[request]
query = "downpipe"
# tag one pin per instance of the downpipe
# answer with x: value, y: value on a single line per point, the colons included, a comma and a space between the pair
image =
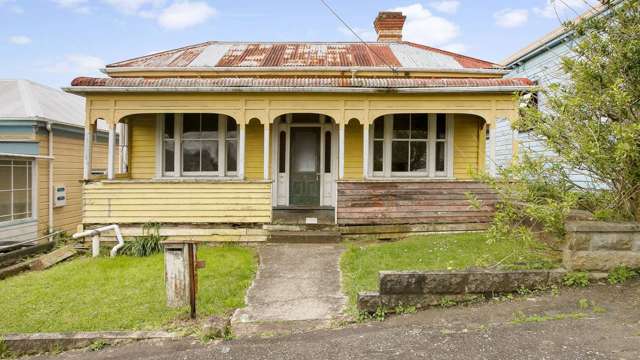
x: 95, y: 240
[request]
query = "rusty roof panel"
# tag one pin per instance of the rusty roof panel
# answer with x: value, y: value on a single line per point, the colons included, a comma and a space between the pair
x: 273, y: 55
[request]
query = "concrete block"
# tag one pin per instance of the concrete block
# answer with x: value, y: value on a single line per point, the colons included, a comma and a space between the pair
x: 611, y: 241
x: 578, y: 241
x: 600, y: 260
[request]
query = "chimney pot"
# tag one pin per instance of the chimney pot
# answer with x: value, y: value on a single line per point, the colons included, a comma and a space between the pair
x: 388, y: 25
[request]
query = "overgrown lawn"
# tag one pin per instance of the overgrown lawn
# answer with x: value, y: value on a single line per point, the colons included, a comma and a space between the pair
x: 124, y: 293
x: 361, y: 262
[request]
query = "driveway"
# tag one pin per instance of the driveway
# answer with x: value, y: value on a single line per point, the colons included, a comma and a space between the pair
x: 297, y: 287
x: 482, y: 331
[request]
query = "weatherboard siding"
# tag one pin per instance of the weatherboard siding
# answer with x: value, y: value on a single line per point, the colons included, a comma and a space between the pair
x: 140, y: 202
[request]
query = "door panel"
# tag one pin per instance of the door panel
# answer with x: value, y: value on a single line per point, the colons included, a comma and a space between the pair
x: 304, y: 181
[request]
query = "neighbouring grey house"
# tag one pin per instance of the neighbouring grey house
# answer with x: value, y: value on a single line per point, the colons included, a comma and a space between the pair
x: 540, y: 61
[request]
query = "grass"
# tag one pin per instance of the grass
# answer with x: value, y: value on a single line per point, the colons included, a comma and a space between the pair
x: 361, y: 263
x: 123, y: 293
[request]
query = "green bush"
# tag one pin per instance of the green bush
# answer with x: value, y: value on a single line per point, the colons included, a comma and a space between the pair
x: 620, y: 274
x: 576, y: 279
x: 147, y: 244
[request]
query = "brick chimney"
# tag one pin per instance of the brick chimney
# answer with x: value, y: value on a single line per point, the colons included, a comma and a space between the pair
x: 389, y: 25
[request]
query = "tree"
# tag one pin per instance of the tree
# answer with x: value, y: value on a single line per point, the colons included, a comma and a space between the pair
x: 592, y: 122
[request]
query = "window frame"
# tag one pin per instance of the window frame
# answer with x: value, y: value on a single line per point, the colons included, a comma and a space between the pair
x: 178, y: 140
x: 431, y: 140
x: 31, y: 204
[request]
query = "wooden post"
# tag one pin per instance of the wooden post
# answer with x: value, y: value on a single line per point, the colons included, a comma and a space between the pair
x: 191, y: 263
x: 341, y: 152
x: 365, y: 150
x: 265, y: 151
x: 88, y: 146
x: 241, y: 140
x: 111, y: 152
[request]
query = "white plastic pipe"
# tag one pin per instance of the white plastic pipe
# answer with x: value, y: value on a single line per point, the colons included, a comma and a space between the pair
x: 96, y: 239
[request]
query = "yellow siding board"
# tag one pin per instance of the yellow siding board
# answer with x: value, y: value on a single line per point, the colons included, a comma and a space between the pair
x: 466, y: 145
x: 142, y: 146
x: 177, y: 202
x: 254, y: 140
x: 353, y: 151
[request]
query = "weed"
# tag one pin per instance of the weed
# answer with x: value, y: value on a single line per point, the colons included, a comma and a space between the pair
x: 145, y: 245
x: 576, y: 279
x: 98, y: 345
x: 446, y: 302
x: 405, y: 310
x: 217, y: 334
x: 583, y: 304
x: 5, y: 353
x: 523, y: 291
x: 555, y: 291
x: 598, y: 309
x: 621, y: 274
x: 521, y: 318
x: 380, y: 314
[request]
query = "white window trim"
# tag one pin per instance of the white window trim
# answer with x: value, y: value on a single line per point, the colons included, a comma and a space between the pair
x: 33, y: 205
x: 431, y: 173
x: 221, y: 174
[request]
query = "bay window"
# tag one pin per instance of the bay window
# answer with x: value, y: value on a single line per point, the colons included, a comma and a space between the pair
x: 411, y: 145
x: 16, y: 186
x: 199, y: 145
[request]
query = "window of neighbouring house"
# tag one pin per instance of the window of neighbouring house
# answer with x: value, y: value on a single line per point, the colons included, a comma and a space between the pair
x: 415, y: 145
x: 15, y: 190
x: 199, y: 145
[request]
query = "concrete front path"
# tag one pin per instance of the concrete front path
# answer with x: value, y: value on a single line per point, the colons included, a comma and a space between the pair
x: 297, y: 286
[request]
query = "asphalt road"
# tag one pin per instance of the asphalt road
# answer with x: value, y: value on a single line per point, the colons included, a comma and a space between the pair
x: 611, y: 330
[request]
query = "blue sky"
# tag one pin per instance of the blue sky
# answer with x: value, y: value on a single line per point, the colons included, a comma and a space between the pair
x: 53, y: 41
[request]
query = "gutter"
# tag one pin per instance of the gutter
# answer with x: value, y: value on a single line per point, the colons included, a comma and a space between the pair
x: 355, y: 90
x: 43, y: 157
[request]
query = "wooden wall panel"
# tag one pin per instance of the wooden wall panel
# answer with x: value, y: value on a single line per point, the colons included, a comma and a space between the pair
x: 412, y: 202
x: 177, y: 202
x: 353, y: 151
x: 467, y: 143
x: 142, y: 146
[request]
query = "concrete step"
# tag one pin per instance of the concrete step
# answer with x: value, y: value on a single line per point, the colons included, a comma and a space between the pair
x: 305, y: 237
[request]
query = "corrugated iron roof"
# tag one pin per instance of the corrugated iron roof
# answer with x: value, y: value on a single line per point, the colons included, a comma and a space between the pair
x: 299, y: 82
x: 24, y: 99
x: 405, y: 55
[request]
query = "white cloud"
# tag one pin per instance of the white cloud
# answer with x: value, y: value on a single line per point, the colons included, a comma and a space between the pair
x: 366, y: 35
x: 562, y: 8
x: 446, y: 6
x: 184, y: 14
x: 79, y: 6
x: 425, y: 28
x: 135, y: 6
x: 179, y: 14
x: 455, y: 47
x: 511, y: 18
x: 77, y: 65
x: 19, y: 40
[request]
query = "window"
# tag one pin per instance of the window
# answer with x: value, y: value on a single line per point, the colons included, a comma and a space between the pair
x: 199, y: 144
x: 15, y: 190
x: 410, y: 145
x: 327, y: 152
x: 282, y: 153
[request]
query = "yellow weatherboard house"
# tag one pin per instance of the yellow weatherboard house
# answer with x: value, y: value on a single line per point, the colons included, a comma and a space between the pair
x: 229, y: 140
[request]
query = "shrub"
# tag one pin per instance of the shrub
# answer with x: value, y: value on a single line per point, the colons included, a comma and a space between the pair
x: 145, y: 245
x: 576, y: 279
x: 620, y: 274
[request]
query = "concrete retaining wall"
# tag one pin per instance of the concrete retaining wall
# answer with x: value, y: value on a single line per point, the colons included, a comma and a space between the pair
x: 601, y: 246
x: 428, y: 288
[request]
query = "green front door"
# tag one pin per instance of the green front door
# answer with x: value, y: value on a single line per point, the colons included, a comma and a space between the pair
x: 304, y: 181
